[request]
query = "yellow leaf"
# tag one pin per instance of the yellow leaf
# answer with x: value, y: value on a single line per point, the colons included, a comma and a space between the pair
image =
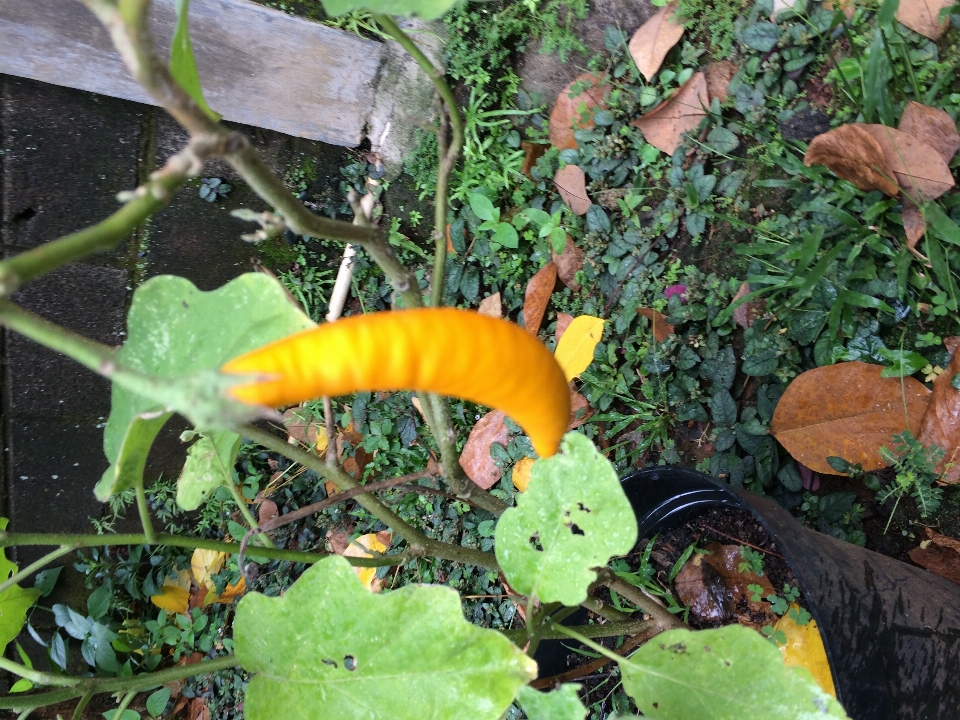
x: 362, y: 547
x: 229, y: 593
x: 320, y: 446
x: 521, y: 473
x: 174, y: 594
x: 574, y: 352
x: 205, y: 563
x: 804, y: 648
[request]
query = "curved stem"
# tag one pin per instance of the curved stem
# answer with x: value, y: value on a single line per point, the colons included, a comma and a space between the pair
x: 81, y: 705
x: 34, y: 566
x: 124, y: 704
x: 144, y: 511
x: 36, y: 676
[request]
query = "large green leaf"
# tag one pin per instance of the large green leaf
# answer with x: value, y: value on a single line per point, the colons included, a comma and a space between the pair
x: 330, y: 648
x: 14, y: 601
x: 183, y: 66
x: 426, y: 9
x: 560, y: 704
x: 729, y: 673
x: 179, y: 332
x: 572, y: 518
x: 209, y: 465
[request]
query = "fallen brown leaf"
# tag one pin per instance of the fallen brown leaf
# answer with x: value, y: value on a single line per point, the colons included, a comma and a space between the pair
x: 653, y: 40
x: 700, y: 587
x: 922, y: 16
x: 580, y: 410
x: 726, y: 560
x: 491, y: 306
x: 932, y: 126
x: 939, y: 554
x: 475, y: 459
x: 848, y: 7
x: 569, y: 263
x: 917, y: 167
x: 746, y: 314
x: 914, y: 227
x: 566, y: 114
x: 941, y: 422
x: 853, y: 154
x: 537, y: 297
x: 531, y: 153
x: 952, y: 344
x: 338, y: 540
x: 658, y: 322
x: 571, y: 183
x: 563, y: 322
x: 846, y: 410
x: 267, y: 511
x: 664, y: 126
x: 719, y: 74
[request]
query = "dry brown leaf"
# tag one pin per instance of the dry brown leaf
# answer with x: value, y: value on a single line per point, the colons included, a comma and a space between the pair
x: 952, y: 344
x: 653, y: 40
x: 746, y: 314
x: 719, y: 74
x: 563, y: 322
x: 571, y: 183
x: 922, y: 16
x: 198, y: 710
x: 914, y: 227
x: 580, y: 410
x: 537, y: 297
x: 338, y: 540
x: 853, y: 154
x: 726, y: 560
x: 932, y: 126
x: 531, y: 153
x: 491, y: 306
x: 682, y: 112
x: 941, y: 421
x: 700, y: 587
x: 658, y: 322
x: 917, y: 167
x: 848, y: 7
x: 569, y: 263
x: 566, y: 113
x: 476, y: 459
x: 939, y: 554
x: 267, y: 511
x: 846, y: 410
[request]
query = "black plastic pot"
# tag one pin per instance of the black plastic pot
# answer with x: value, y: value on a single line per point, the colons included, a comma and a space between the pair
x: 891, y: 631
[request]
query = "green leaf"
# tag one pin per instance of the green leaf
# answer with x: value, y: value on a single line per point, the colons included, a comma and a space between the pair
x: 506, y: 236
x: 125, y: 715
x: 941, y: 224
x: 14, y: 601
x: 426, y: 9
x: 157, y: 701
x: 597, y: 220
x: 724, y: 674
x: 722, y: 140
x: 905, y: 362
x: 573, y: 517
x: 482, y: 207
x: 723, y: 408
x: 760, y: 363
x: 209, y: 465
x: 45, y: 580
x: 330, y: 648
x: 21, y: 685
x: 537, y: 217
x: 183, y: 67
x: 178, y: 331
x: 888, y: 11
x: 761, y: 36
x: 789, y: 477
x: 559, y: 704
x: 100, y: 600
x: 876, y: 80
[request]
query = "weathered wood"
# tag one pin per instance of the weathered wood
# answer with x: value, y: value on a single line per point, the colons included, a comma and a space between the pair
x: 258, y: 66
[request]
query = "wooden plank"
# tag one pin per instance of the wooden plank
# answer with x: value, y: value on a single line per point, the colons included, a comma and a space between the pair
x: 258, y: 66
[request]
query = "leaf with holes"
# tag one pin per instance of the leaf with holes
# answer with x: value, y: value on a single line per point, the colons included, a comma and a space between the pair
x: 572, y: 518
x: 559, y: 704
x: 730, y: 672
x: 330, y: 648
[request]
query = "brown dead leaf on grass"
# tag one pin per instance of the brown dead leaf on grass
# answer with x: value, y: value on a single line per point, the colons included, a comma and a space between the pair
x: 267, y: 511
x: 918, y: 168
x: 914, y: 227
x: 563, y: 322
x: 726, y: 560
x: 848, y: 7
x: 664, y: 126
x: 952, y: 344
x: 491, y: 306
x: 566, y: 114
x: 537, y: 297
x: 922, y: 16
x: 580, y: 410
x: 653, y: 40
x: 475, y: 459
x: 932, y: 126
x: 719, y: 74
x: 571, y: 183
x: 939, y: 554
x: 853, y: 154
x: 531, y: 153
x: 569, y: 263
x: 846, y: 410
x: 658, y: 323
x: 746, y: 314
x: 940, y: 424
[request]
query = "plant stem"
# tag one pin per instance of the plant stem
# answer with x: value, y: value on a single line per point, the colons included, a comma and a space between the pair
x: 36, y: 676
x: 34, y: 566
x: 419, y: 542
x: 124, y: 704
x: 144, y: 511
x: 637, y: 597
x: 81, y: 705
x: 81, y: 687
x: 242, y: 506
x: 550, y: 632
